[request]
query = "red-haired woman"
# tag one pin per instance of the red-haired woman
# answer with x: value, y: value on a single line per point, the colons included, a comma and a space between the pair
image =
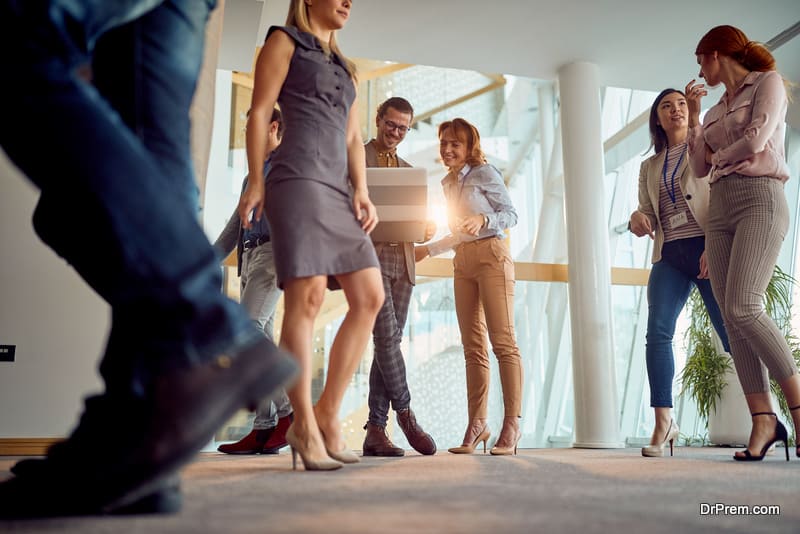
x: 741, y: 143
x: 480, y: 209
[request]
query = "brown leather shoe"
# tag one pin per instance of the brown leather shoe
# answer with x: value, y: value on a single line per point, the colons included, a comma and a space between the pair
x: 377, y: 443
x: 419, y: 439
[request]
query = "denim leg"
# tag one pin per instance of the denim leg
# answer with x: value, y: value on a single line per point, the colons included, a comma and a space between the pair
x: 139, y: 243
x: 714, y: 313
x: 667, y: 291
x: 259, y: 296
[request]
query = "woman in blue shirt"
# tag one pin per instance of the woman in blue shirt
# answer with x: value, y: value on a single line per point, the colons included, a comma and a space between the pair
x: 480, y: 210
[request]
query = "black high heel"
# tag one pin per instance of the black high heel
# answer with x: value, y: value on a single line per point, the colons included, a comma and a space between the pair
x: 780, y: 435
x: 796, y: 444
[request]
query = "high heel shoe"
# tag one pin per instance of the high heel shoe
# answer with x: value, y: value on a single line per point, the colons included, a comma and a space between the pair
x: 505, y: 451
x: 470, y: 447
x: 657, y: 451
x: 780, y: 435
x: 796, y: 432
x: 346, y: 456
x: 326, y: 464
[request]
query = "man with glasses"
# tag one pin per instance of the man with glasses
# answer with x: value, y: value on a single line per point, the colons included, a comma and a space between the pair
x: 387, y: 379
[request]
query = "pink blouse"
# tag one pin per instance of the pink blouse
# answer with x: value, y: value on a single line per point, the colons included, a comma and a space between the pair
x: 746, y: 132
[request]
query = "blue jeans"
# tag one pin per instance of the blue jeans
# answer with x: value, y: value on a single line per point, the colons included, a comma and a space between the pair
x: 668, y: 289
x: 118, y: 200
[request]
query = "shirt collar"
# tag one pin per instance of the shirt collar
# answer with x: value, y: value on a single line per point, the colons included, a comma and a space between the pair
x: 381, y: 152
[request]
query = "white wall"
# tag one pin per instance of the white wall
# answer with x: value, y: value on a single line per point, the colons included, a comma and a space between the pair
x: 56, y: 321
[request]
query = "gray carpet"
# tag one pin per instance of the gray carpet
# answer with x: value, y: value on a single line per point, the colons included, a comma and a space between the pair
x: 540, y: 490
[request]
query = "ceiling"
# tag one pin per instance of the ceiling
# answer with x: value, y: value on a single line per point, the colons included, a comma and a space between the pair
x: 640, y: 44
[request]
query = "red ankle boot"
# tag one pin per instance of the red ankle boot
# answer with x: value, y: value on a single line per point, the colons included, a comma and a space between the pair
x: 277, y: 440
x: 252, y: 443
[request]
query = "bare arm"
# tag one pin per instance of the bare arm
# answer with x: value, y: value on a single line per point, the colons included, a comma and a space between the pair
x: 272, y: 68
x: 362, y: 206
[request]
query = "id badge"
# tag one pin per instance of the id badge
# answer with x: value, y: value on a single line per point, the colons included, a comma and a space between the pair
x: 678, y: 220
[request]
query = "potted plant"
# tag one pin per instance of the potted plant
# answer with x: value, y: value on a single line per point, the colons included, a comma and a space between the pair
x: 708, y: 376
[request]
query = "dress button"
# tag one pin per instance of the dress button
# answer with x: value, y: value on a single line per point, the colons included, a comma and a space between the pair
x: 338, y: 88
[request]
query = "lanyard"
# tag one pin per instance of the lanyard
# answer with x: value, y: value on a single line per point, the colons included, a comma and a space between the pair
x: 671, y: 192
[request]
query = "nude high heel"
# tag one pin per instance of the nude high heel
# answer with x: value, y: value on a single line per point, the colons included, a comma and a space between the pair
x: 470, y: 448
x: 326, y: 464
x: 657, y: 451
x: 506, y: 451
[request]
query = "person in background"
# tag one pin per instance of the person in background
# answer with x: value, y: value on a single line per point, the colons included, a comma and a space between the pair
x: 480, y: 210
x: 387, y: 377
x: 259, y: 295
x: 319, y: 225
x: 673, y: 209
x: 180, y: 358
x: 741, y: 144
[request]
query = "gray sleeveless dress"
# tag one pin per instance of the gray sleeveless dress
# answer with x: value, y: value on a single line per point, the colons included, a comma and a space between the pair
x: 308, y: 198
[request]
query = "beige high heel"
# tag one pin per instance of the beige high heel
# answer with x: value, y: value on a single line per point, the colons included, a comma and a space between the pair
x: 345, y: 455
x: 470, y: 448
x: 506, y: 451
x: 657, y: 451
x: 326, y: 464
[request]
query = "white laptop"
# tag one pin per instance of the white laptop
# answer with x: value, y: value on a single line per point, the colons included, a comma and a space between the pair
x: 400, y: 195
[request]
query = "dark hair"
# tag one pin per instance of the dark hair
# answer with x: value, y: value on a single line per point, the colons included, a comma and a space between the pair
x: 278, y: 117
x: 658, y: 136
x: 468, y: 134
x: 732, y: 42
x: 400, y: 104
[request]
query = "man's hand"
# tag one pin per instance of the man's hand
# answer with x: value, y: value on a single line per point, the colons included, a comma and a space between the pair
x: 430, y: 230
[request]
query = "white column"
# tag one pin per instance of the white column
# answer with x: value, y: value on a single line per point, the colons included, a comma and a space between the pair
x: 596, y: 407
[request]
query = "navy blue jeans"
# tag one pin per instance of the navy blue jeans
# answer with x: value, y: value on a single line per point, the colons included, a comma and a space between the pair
x: 668, y: 288
x: 111, y: 158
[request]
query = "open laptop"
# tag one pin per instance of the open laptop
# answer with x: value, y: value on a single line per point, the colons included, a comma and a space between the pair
x: 400, y: 195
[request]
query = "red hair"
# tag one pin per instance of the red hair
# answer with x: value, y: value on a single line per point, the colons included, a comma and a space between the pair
x: 467, y: 134
x: 732, y: 42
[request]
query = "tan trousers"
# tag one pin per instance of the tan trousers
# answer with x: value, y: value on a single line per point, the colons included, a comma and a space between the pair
x: 483, y: 285
x: 747, y: 221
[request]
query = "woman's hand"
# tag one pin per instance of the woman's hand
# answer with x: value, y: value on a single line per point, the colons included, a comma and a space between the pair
x: 252, y: 199
x: 709, y: 155
x: 365, y: 210
x: 420, y: 253
x: 640, y: 225
x: 471, y: 224
x: 703, y: 267
x: 694, y: 94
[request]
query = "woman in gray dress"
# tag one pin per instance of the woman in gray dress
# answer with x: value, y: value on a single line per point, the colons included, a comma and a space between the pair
x: 318, y: 209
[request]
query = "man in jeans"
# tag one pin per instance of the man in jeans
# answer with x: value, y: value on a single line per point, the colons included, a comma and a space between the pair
x: 259, y: 295
x: 118, y: 202
x: 387, y: 378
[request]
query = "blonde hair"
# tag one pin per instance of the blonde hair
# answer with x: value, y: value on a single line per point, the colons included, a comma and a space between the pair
x: 298, y: 18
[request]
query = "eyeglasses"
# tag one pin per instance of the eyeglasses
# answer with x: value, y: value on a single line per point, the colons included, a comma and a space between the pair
x: 391, y: 125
